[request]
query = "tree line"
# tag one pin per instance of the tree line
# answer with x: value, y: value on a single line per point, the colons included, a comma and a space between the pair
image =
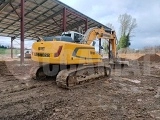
x: 4, y: 47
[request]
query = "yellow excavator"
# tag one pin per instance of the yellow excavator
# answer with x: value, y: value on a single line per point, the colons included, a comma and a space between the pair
x: 73, y: 61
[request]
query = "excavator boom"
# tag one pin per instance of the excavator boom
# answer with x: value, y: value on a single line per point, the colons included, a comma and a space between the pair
x: 101, y: 33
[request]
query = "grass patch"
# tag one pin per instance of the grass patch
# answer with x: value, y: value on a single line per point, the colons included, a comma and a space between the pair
x: 4, y: 51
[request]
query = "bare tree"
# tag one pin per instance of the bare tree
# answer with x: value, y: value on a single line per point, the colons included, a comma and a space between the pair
x: 128, y: 24
x: 110, y: 26
x: 132, y: 26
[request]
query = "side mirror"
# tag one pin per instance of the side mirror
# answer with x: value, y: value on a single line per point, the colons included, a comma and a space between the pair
x: 39, y: 39
x: 93, y: 44
x: 101, y: 47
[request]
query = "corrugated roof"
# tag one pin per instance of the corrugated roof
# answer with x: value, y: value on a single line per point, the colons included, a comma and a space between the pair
x: 42, y: 18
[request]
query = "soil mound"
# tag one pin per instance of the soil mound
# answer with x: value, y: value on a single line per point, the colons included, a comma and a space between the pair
x: 150, y: 57
x: 3, y: 68
x: 14, y: 68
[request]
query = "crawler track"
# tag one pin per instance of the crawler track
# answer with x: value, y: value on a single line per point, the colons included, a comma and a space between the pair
x: 80, y: 76
x: 73, y: 77
x: 37, y: 73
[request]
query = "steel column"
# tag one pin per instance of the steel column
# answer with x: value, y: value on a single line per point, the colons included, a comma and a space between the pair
x: 22, y: 32
x: 64, y: 19
x: 100, y: 46
x: 12, y: 38
x: 109, y: 50
x: 86, y: 25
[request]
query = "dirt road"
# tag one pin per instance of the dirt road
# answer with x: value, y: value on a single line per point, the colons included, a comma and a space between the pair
x: 130, y: 94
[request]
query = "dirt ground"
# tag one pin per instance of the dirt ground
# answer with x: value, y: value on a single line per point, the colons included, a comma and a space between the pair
x: 131, y: 56
x: 131, y: 93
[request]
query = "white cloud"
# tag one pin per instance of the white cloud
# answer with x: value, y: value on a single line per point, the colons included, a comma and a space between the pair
x: 16, y: 43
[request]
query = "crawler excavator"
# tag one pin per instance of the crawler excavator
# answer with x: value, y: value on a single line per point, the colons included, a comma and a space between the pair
x: 73, y: 62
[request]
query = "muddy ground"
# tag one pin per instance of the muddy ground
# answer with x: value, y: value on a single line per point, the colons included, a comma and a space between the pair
x: 132, y: 93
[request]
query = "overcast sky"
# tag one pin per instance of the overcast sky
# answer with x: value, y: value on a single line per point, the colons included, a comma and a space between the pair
x: 146, y: 12
x: 6, y: 41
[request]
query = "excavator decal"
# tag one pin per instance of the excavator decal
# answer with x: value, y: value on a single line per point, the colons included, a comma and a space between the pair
x: 82, y: 48
x: 42, y: 54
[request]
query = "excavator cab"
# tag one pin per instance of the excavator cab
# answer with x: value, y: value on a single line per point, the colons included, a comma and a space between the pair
x: 77, y: 37
x: 58, y: 38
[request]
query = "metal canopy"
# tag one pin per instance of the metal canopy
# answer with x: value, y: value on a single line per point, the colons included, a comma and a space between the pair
x: 41, y: 18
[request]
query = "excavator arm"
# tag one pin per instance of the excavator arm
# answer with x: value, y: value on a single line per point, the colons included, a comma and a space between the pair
x: 100, y: 33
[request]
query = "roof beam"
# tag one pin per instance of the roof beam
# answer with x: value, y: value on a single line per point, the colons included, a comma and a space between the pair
x: 77, y: 15
x: 15, y: 10
x: 70, y: 27
x: 33, y: 18
x: 5, y: 4
x: 71, y: 9
x: 53, y: 28
x: 9, y: 12
x: 40, y: 18
x: 76, y: 24
x: 36, y: 17
x: 50, y: 17
x: 35, y: 7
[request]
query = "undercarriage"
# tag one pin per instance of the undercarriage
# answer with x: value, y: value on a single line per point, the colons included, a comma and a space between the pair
x: 69, y: 76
